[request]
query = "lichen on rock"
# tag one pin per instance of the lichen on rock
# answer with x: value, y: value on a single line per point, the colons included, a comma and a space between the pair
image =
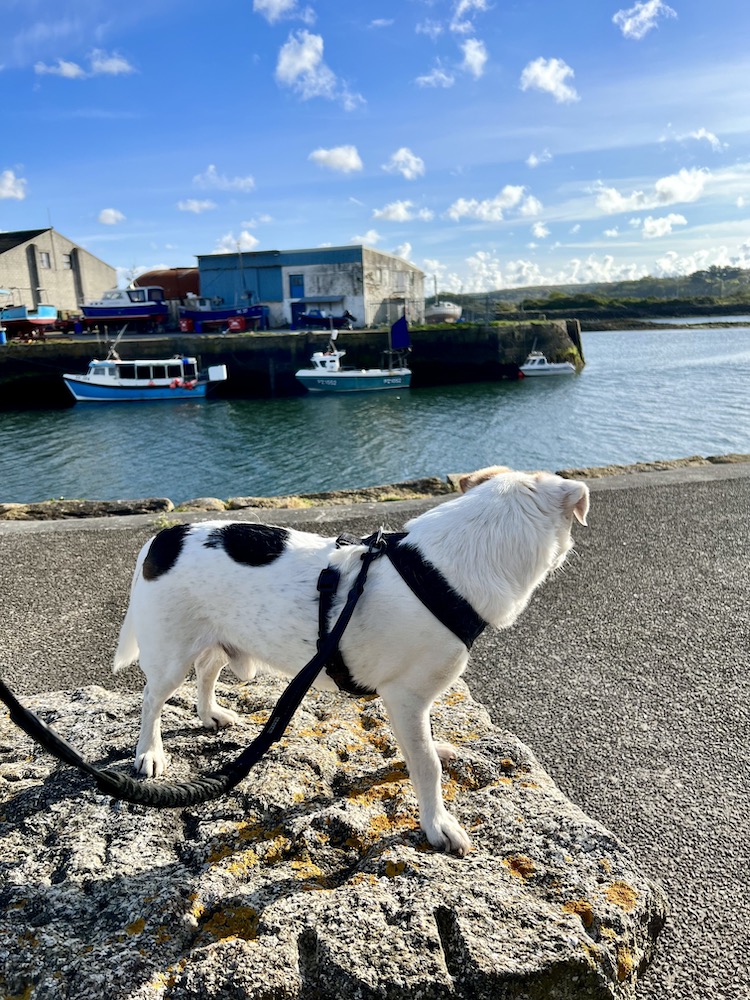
x: 312, y: 879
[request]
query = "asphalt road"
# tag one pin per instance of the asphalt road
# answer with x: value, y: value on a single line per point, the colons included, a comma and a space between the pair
x: 627, y: 675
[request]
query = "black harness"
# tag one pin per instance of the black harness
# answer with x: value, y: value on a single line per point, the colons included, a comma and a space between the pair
x: 423, y: 579
x: 426, y: 582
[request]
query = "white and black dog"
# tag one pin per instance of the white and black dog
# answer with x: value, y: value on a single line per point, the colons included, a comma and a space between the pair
x: 220, y: 592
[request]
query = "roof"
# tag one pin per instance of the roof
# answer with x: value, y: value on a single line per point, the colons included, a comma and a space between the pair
x: 10, y: 240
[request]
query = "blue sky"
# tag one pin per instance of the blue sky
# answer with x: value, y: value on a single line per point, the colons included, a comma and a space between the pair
x: 492, y: 143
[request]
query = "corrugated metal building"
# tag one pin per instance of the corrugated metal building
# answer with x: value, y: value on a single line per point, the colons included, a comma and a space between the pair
x: 42, y: 267
x: 374, y: 287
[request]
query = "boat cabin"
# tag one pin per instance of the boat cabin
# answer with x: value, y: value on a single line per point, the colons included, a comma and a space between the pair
x: 327, y: 361
x: 149, y: 293
x: 182, y: 369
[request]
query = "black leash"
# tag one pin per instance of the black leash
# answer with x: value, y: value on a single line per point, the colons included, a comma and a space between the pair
x: 169, y: 795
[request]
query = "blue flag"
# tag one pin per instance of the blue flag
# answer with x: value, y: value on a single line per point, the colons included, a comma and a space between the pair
x: 400, y: 334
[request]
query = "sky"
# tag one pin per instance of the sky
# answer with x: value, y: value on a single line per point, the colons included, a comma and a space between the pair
x: 493, y: 143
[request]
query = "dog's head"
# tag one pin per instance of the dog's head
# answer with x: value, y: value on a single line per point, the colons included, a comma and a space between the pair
x: 573, y: 495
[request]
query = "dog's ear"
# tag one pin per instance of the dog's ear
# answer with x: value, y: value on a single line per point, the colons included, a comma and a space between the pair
x: 481, y: 476
x: 576, y: 500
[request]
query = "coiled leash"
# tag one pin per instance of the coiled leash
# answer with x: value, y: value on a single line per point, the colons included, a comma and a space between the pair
x: 169, y: 795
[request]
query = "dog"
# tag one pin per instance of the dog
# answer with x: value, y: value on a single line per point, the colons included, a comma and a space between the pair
x: 219, y: 593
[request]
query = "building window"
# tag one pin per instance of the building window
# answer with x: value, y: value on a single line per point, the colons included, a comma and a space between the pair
x: 296, y: 286
x: 44, y: 260
x: 67, y: 262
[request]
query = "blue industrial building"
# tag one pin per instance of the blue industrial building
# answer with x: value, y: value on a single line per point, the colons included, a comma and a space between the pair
x: 376, y: 288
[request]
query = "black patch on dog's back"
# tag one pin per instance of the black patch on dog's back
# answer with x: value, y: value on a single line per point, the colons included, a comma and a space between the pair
x: 164, y: 551
x: 249, y: 544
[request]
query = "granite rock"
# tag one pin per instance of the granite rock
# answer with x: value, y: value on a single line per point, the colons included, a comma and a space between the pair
x: 312, y: 878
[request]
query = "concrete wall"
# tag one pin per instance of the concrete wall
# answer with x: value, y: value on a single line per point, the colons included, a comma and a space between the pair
x: 52, y: 270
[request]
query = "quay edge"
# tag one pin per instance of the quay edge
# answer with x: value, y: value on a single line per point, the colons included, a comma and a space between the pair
x: 263, y: 364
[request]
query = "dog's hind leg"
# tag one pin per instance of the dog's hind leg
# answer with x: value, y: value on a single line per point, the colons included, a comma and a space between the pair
x: 409, y: 715
x: 208, y: 666
x: 162, y: 680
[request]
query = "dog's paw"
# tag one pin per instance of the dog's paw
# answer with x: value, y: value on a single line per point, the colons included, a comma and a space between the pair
x: 446, y: 752
x: 219, y: 718
x: 151, y: 764
x: 447, y: 834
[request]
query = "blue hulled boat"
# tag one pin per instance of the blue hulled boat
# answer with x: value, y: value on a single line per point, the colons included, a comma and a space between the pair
x: 115, y: 380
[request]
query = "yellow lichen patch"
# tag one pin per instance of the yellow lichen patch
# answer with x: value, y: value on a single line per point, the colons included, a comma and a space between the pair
x: 625, y: 964
x: 305, y: 867
x: 392, y: 824
x: 622, y: 895
x: 605, y: 865
x: 582, y: 908
x: 166, y: 980
x: 379, y: 786
x: 242, y: 864
x: 236, y: 922
x: 454, y: 698
x: 136, y: 927
x: 520, y: 866
x: 394, y: 868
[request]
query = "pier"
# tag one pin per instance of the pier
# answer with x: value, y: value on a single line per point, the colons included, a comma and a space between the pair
x: 263, y: 364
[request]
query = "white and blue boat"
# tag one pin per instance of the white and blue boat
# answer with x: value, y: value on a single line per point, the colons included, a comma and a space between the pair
x: 114, y: 380
x: 134, y: 303
x: 327, y: 374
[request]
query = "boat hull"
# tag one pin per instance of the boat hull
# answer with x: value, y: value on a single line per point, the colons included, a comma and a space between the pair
x: 363, y: 381
x: 84, y: 391
x: 548, y: 371
x: 23, y: 316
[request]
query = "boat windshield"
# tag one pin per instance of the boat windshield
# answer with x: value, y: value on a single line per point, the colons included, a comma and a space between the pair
x: 137, y: 294
x: 115, y: 293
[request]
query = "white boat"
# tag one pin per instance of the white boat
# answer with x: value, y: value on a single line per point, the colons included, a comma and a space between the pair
x: 327, y: 374
x: 442, y: 312
x: 133, y: 303
x: 115, y: 380
x: 537, y: 364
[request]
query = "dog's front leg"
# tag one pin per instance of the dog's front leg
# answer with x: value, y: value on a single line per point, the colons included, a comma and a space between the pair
x: 410, y: 721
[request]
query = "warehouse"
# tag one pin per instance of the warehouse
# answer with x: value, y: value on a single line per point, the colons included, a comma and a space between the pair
x: 374, y: 287
x: 42, y: 267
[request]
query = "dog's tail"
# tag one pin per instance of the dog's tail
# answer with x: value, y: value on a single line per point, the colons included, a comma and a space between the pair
x: 127, y: 646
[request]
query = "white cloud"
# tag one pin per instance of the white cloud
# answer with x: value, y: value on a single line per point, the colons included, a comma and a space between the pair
x: 703, y: 134
x: 654, y: 228
x: 637, y: 21
x: 100, y: 64
x: 550, y: 76
x: 475, y: 57
x: 371, y: 237
x: 232, y: 244
x: 536, y: 159
x: 540, y: 231
x: 574, y: 230
x: 110, y: 216
x: 300, y: 66
x: 612, y: 234
x: 12, y: 186
x: 64, y: 68
x: 103, y: 64
x: 211, y: 178
x: 531, y: 206
x: 684, y: 186
x: 740, y: 201
x: 344, y: 159
x: 438, y: 77
x: 381, y: 22
x: 489, y: 209
x: 433, y: 29
x: 460, y: 22
x: 195, y: 205
x: 403, y: 250
x: 279, y: 10
x: 404, y: 162
x: 401, y: 211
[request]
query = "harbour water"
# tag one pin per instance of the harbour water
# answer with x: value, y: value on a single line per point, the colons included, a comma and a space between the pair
x: 643, y: 396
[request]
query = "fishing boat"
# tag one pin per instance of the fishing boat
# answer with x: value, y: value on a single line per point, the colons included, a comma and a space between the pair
x: 537, y: 364
x: 115, y: 380
x: 327, y: 374
x: 315, y: 319
x: 129, y: 304
x: 200, y: 312
x: 22, y: 319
